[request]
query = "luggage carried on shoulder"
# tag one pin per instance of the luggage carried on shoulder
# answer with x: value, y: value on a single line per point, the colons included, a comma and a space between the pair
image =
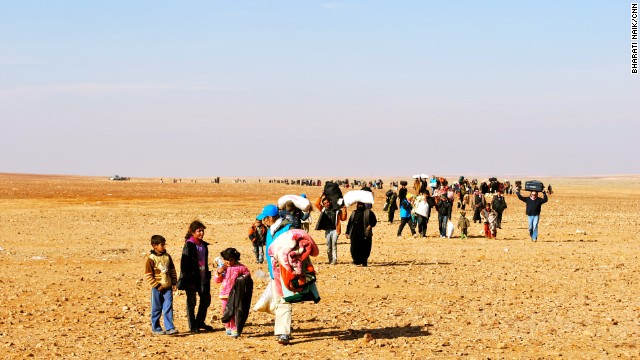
x: 534, y: 185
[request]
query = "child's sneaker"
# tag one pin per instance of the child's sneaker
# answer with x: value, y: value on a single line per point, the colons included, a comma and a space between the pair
x: 229, y: 332
x: 158, y: 332
x: 171, y: 332
x: 234, y: 333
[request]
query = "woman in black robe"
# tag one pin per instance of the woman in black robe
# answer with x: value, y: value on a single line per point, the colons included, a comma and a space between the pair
x: 359, y: 231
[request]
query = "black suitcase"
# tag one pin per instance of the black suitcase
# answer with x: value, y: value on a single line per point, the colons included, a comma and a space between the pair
x: 333, y: 193
x: 534, y: 185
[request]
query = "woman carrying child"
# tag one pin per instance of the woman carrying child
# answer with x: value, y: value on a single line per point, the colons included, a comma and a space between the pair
x: 227, y: 275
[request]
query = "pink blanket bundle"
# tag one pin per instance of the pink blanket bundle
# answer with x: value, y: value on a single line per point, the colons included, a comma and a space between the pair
x: 293, y: 247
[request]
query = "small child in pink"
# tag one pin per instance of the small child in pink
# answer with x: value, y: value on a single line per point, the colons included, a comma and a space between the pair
x: 227, y: 275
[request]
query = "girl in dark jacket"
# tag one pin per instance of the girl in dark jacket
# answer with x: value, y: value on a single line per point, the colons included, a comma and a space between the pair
x: 195, y: 277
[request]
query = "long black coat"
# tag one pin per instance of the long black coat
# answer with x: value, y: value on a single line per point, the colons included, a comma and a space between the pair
x: 239, y: 302
x: 190, y: 270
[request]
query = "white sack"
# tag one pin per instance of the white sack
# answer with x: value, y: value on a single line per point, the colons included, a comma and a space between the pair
x: 355, y: 196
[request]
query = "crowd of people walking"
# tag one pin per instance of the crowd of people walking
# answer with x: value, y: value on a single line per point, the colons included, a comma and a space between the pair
x: 279, y: 237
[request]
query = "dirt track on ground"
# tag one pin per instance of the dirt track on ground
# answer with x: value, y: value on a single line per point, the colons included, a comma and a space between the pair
x: 73, y: 252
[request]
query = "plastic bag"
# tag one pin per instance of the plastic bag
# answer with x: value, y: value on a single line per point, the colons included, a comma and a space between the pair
x: 268, y: 300
x: 450, y: 229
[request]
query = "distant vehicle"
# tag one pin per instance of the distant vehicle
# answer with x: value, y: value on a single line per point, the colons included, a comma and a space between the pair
x: 119, y: 178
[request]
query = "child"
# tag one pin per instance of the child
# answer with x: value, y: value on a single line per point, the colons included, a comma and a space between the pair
x: 405, y: 211
x: 227, y: 275
x: 161, y: 275
x: 489, y: 216
x: 258, y: 235
x: 195, y: 277
x: 463, y: 225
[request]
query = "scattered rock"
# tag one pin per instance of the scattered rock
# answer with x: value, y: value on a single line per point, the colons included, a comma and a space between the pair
x: 367, y: 337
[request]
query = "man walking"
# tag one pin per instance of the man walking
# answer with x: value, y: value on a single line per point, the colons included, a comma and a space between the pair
x: 534, y: 206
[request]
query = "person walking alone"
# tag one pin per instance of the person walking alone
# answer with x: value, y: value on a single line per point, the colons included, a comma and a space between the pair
x: 534, y: 206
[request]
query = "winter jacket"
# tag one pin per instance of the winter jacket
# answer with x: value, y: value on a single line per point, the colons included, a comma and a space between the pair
x: 160, y: 271
x: 326, y: 220
x: 273, y: 232
x: 189, y: 269
x: 239, y: 302
x: 257, y: 234
x: 229, y: 278
x: 498, y: 203
x: 533, y: 206
x: 405, y: 208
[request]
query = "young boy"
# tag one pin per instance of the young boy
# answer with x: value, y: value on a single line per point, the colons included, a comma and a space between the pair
x: 258, y: 236
x: 161, y: 275
x: 463, y: 225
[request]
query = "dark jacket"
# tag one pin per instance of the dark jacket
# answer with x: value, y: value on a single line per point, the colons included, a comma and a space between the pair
x: 392, y: 198
x: 368, y: 219
x: 330, y: 219
x: 239, y: 302
x: 498, y: 203
x: 444, y: 208
x: 533, y: 206
x: 189, y: 270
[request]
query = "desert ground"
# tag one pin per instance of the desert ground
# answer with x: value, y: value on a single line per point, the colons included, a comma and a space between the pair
x: 73, y: 251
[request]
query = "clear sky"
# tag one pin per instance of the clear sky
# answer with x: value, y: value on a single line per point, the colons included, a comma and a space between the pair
x: 314, y: 88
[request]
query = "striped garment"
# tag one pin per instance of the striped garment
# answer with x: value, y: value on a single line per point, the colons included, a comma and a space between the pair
x: 159, y: 271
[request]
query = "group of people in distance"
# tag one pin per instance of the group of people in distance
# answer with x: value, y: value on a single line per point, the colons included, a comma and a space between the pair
x: 273, y: 221
x: 486, y: 200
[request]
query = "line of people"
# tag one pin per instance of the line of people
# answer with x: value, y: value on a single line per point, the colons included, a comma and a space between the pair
x: 415, y: 211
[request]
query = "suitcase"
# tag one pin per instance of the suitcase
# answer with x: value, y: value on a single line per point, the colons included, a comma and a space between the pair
x: 333, y: 193
x: 534, y: 185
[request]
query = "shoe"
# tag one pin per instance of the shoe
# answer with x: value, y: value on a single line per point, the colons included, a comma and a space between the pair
x: 205, y: 327
x: 171, y: 332
x: 415, y: 236
x: 334, y: 262
x: 228, y: 332
x: 195, y: 330
x: 234, y: 334
x: 158, y: 332
x: 283, y: 339
x: 399, y: 237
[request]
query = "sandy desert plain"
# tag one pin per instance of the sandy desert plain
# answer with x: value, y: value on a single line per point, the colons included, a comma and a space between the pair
x: 73, y: 249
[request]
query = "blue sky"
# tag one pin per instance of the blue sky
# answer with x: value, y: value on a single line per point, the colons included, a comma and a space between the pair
x: 313, y: 88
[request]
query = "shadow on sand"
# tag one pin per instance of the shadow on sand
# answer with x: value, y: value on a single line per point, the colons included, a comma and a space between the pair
x: 405, y: 263
x: 315, y: 334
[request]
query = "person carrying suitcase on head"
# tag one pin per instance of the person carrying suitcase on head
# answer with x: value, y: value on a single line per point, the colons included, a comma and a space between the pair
x: 534, y: 206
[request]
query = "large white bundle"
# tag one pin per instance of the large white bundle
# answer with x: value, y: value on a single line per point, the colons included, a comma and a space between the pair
x: 355, y: 196
x: 298, y: 201
x: 422, y: 207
